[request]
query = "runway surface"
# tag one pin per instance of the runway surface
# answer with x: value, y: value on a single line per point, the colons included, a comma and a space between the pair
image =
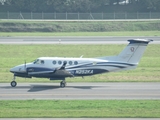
x: 81, y: 91
x: 72, y: 40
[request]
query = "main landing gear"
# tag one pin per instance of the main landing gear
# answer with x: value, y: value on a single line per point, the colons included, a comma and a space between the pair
x: 14, y: 83
x: 63, y: 84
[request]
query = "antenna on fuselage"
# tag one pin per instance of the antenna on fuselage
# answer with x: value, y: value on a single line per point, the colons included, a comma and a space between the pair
x: 81, y: 56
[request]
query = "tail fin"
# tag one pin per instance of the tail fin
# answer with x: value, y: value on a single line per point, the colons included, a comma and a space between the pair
x: 134, y: 51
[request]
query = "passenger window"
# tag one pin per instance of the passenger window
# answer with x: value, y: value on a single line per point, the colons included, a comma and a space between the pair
x: 59, y: 62
x: 65, y: 62
x: 70, y: 62
x: 54, y: 62
x: 75, y: 62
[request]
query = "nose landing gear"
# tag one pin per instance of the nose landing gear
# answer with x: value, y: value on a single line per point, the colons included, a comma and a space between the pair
x: 14, y: 83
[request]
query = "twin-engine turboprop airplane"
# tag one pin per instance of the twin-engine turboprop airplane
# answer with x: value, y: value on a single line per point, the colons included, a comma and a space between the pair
x: 57, y: 68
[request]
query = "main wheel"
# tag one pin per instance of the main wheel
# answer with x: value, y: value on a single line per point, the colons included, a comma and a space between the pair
x: 13, y: 83
x: 63, y: 84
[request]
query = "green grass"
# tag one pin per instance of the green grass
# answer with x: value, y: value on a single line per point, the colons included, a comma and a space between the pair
x: 80, y: 109
x: 78, y: 26
x: 147, y: 71
x: 120, y: 33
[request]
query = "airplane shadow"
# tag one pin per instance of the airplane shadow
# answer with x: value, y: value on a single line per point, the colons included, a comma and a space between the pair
x: 38, y: 88
x: 32, y: 88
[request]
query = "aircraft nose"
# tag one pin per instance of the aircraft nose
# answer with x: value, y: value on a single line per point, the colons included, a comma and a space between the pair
x: 19, y: 68
x: 12, y: 70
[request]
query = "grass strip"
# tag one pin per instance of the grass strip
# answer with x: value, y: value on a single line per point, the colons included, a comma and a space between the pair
x: 80, y: 109
x: 78, y: 26
x: 120, y: 33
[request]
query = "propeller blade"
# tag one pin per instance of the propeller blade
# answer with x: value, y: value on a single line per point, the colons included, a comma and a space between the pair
x: 25, y: 66
x: 63, y: 66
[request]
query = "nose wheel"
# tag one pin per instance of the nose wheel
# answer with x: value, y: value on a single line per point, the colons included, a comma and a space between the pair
x: 14, y: 83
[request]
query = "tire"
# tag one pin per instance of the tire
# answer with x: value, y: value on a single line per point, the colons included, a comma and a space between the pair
x: 62, y: 85
x: 13, y: 83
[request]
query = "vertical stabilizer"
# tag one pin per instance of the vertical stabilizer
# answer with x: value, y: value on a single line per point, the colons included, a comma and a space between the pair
x: 134, y: 51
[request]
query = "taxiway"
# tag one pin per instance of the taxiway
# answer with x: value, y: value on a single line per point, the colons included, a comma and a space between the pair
x: 73, y: 40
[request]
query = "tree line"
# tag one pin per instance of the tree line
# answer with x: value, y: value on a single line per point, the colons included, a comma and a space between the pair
x: 81, y: 5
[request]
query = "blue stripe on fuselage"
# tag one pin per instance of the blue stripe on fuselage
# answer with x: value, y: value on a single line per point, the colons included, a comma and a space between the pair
x: 113, y: 64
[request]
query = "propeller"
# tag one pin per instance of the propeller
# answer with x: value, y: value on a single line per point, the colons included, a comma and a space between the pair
x: 25, y: 66
x: 63, y: 66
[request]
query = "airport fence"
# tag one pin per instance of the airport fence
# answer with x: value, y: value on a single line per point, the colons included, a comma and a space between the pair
x: 79, y: 16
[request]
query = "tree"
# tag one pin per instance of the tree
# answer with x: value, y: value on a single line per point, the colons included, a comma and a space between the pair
x: 75, y: 5
x: 150, y: 4
x: 78, y: 5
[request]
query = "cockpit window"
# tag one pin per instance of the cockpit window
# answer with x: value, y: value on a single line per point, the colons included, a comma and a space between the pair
x: 42, y: 61
x: 38, y: 61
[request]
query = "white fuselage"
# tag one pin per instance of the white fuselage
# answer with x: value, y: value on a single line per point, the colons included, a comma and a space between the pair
x: 75, y: 66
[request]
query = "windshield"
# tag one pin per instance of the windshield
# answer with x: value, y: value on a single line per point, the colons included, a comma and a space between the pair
x: 38, y: 61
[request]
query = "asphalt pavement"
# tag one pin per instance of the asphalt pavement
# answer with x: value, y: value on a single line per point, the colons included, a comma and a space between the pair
x: 81, y: 91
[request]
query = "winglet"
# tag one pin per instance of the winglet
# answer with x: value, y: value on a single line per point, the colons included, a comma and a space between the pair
x: 81, y: 56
